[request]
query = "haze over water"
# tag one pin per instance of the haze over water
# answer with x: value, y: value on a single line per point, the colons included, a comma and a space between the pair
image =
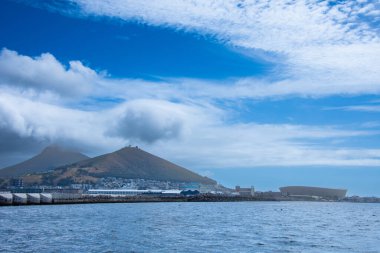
x: 192, y: 227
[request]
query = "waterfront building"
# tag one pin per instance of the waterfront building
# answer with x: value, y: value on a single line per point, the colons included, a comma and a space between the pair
x: 245, y: 192
x: 124, y: 192
x: 135, y: 192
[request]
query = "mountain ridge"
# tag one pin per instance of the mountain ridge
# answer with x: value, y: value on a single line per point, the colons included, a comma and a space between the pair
x: 128, y: 162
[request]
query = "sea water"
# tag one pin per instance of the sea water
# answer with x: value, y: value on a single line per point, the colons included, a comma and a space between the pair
x: 192, y: 227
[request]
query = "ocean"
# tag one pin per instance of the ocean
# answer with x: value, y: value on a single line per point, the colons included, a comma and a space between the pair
x: 192, y: 227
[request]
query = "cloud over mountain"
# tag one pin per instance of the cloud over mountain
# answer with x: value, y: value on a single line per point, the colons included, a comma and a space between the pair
x: 149, y: 120
x: 172, y: 115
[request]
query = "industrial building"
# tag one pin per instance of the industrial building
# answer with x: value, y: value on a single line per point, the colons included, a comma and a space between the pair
x: 307, y: 191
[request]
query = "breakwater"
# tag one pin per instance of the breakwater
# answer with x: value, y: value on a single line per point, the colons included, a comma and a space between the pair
x: 16, y: 199
x: 35, y: 198
x: 66, y: 198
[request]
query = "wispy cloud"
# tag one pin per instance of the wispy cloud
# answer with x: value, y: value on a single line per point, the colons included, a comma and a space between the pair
x: 360, y: 108
x: 253, y: 145
x: 321, y: 43
x: 269, y: 25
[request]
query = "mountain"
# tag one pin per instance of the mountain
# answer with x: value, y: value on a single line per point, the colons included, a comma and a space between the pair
x: 129, y: 162
x: 50, y: 158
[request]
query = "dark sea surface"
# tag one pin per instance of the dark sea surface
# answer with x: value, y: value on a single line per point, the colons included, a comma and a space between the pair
x: 192, y: 227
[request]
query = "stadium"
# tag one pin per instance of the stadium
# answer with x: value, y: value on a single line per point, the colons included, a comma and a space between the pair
x: 313, y: 191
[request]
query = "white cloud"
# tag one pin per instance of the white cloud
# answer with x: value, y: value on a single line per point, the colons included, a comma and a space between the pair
x: 152, y: 120
x: 134, y: 121
x: 189, y: 134
x: 255, y: 145
x: 45, y: 73
x: 269, y: 25
x: 322, y: 43
x: 191, y: 131
x: 232, y: 89
x: 45, y: 78
x: 327, y: 50
x: 52, y: 123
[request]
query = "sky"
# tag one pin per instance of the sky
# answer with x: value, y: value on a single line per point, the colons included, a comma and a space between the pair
x: 256, y: 92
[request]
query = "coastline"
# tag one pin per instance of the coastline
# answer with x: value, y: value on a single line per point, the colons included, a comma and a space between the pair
x: 88, y: 199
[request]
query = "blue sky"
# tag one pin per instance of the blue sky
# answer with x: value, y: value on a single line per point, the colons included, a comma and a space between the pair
x: 138, y: 51
x: 248, y: 92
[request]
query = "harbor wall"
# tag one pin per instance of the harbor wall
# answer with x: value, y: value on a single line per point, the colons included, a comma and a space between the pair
x: 65, y: 198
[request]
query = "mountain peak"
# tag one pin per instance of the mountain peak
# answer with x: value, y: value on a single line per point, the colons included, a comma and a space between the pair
x: 49, y: 158
x: 128, y: 148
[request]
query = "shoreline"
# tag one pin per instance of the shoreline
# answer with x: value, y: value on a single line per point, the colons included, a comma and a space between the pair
x: 87, y: 199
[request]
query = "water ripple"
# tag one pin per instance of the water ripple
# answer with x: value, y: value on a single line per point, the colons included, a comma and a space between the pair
x: 192, y: 227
